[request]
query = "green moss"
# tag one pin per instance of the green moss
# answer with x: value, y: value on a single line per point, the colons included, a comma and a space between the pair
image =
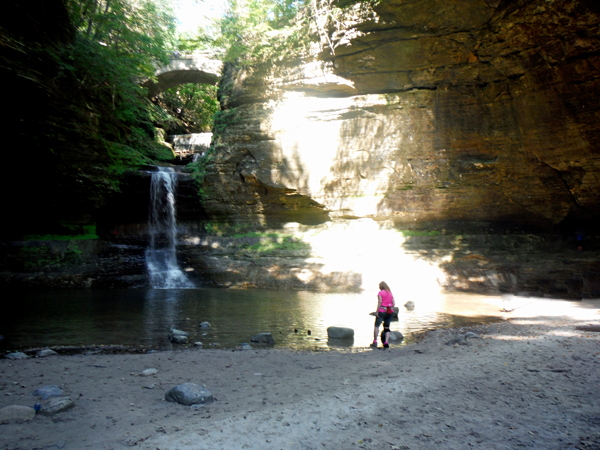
x: 420, y: 233
x: 32, y: 257
x: 271, y: 242
x: 89, y: 232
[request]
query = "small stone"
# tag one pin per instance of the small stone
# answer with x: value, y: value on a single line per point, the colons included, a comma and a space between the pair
x: 199, y: 344
x: 176, y: 332
x: 396, y: 336
x: 148, y: 372
x: 197, y: 406
x: 16, y: 355
x: 48, y: 391
x: 178, y: 338
x: 205, y: 324
x: 45, y: 352
x: 16, y: 413
x: 246, y: 346
x: 409, y: 305
x: 189, y: 394
x: 263, y: 338
x: 56, y: 405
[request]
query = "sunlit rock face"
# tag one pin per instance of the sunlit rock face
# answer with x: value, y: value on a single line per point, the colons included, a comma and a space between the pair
x: 437, y: 114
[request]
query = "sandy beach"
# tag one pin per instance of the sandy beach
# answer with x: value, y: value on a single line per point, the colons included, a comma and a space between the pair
x: 530, y: 381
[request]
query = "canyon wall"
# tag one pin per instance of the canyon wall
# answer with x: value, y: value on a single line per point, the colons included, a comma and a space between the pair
x: 455, y: 115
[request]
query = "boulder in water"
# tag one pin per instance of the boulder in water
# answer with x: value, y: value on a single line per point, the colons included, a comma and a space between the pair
x: 263, y: 338
x: 340, y: 333
x: 178, y: 337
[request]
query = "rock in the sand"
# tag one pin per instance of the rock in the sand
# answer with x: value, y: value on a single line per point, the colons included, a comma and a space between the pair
x: 189, y: 394
x: 47, y: 391
x: 246, y: 346
x: 263, y: 338
x: 45, y: 352
x: 589, y: 328
x: 148, y: 372
x: 470, y: 334
x: 56, y: 405
x: 16, y: 355
x: 396, y: 336
x: 205, y: 324
x: 409, y: 305
x: 16, y: 413
x: 340, y: 333
x: 199, y: 344
x: 462, y: 339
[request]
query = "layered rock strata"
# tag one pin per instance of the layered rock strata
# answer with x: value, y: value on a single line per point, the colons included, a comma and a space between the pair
x: 440, y: 114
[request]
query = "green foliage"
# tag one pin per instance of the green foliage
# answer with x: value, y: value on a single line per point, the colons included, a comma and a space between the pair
x: 136, y: 31
x: 224, y: 119
x: 198, y: 169
x: 278, y: 31
x: 116, y: 44
x: 255, y: 31
x: 191, y: 42
x: 192, y: 107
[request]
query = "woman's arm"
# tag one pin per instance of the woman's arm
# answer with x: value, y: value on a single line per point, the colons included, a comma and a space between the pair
x: 378, y: 303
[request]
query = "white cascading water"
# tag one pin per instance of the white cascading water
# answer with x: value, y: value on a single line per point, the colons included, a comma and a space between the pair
x: 161, y: 258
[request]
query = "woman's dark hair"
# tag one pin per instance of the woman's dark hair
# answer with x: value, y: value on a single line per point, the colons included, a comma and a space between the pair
x: 383, y: 286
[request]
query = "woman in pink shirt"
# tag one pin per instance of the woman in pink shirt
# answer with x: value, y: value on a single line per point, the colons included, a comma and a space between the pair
x: 385, y: 312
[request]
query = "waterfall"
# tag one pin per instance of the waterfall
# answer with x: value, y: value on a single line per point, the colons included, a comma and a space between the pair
x: 161, y: 258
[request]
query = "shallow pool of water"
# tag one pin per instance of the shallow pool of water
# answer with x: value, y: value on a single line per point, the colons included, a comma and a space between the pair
x: 296, y: 319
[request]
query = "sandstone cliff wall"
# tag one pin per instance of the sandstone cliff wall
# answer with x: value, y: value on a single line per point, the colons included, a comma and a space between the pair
x: 439, y: 114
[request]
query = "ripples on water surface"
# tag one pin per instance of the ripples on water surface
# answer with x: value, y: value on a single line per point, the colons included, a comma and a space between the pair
x: 142, y: 317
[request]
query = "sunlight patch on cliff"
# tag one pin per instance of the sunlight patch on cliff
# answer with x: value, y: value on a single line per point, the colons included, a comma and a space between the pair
x: 315, y: 158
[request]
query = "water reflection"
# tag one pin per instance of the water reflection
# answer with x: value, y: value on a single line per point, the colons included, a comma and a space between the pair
x: 143, y: 317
